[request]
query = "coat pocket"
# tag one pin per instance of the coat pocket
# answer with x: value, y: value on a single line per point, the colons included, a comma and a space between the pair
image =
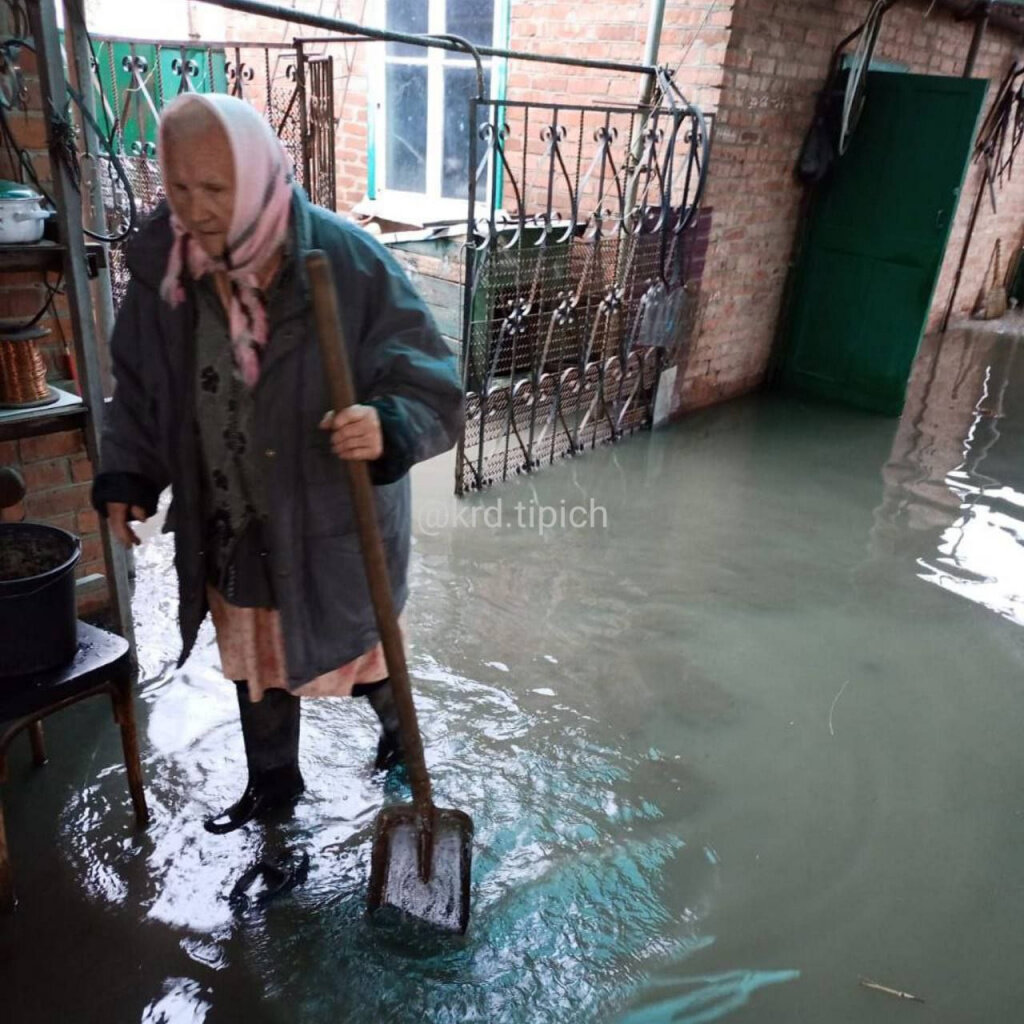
x: 329, y: 511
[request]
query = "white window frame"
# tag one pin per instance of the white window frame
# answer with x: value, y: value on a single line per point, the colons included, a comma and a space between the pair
x: 430, y: 205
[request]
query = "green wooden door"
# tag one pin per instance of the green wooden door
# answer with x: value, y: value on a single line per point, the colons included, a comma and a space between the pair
x: 875, y: 242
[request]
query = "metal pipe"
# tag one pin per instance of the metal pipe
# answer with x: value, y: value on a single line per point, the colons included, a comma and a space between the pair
x: 300, y: 92
x: 198, y: 44
x: 351, y: 28
x: 983, y: 12
x: 55, y: 100
x: 655, y: 22
x: 80, y: 61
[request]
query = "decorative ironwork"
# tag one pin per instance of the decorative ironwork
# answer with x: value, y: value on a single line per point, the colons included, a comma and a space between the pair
x: 136, y: 80
x: 576, y: 298
x: 319, y: 131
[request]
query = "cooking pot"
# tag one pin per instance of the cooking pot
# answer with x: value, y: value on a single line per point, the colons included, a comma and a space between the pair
x: 21, y: 214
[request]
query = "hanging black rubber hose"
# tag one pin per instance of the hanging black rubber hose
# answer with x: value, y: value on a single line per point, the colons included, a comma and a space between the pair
x: 115, y: 162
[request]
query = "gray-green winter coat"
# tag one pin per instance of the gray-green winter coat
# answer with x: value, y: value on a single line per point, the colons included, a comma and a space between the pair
x: 400, y: 364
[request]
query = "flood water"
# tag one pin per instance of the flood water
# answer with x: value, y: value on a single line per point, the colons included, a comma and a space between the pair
x: 745, y: 729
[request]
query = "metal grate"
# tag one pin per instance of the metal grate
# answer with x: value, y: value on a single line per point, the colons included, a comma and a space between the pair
x: 319, y: 131
x: 577, y: 297
x: 136, y: 80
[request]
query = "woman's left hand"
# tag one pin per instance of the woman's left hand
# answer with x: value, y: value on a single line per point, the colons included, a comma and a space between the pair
x: 355, y: 433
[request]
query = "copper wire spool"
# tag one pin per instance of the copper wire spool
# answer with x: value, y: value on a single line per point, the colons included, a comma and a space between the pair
x: 22, y: 370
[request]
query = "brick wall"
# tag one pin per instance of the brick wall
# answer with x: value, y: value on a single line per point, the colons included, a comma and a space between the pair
x: 22, y: 295
x: 58, y: 477
x: 56, y: 468
x: 350, y: 82
x: 694, y: 39
x: 777, y: 59
x: 757, y: 64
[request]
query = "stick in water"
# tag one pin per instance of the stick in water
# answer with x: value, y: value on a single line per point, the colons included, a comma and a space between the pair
x: 895, y: 992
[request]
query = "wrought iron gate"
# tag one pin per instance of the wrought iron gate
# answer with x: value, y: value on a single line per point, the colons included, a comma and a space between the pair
x: 133, y: 81
x: 576, y: 301
x: 317, y: 126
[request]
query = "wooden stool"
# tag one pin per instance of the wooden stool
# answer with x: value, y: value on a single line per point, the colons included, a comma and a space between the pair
x: 102, y: 665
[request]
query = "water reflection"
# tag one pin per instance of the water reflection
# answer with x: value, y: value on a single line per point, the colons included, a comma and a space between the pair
x: 183, y: 1002
x: 699, y: 756
x: 576, y: 837
x: 700, y: 1000
x: 954, y: 493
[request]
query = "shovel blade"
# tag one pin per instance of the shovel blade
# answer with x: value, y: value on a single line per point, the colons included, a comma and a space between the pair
x: 397, y: 887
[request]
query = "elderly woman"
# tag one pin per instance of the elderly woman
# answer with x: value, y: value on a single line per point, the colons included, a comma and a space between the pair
x: 220, y: 394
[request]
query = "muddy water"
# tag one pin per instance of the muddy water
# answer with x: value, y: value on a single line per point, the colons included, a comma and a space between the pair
x: 735, y: 707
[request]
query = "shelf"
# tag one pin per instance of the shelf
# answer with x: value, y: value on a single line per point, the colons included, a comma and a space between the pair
x: 47, y: 256
x: 60, y: 415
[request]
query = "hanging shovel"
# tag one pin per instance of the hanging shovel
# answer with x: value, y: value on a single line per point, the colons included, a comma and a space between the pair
x: 421, y: 856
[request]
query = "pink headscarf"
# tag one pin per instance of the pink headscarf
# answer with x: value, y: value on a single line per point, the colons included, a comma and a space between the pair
x: 259, y: 223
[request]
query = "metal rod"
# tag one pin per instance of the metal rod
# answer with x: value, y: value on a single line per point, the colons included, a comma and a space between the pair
x: 80, y: 59
x: 54, y: 94
x: 983, y: 12
x: 654, y: 26
x: 467, y: 287
x: 300, y: 92
x: 588, y: 108
x: 197, y: 44
x: 964, y: 249
x: 350, y: 28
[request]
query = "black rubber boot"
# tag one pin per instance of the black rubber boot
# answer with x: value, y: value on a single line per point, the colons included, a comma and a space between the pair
x: 270, y: 731
x: 389, y: 746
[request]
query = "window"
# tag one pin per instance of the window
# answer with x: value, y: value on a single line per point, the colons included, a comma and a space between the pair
x: 422, y: 101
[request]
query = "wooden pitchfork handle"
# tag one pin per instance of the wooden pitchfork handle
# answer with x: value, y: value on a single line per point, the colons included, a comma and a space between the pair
x: 331, y: 337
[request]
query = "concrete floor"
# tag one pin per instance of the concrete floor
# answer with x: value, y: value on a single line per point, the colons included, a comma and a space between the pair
x: 749, y: 731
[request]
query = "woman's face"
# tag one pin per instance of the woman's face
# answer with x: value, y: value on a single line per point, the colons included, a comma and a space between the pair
x: 201, y: 177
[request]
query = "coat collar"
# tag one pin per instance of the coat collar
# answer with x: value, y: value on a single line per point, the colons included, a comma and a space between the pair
x: 148, y: 251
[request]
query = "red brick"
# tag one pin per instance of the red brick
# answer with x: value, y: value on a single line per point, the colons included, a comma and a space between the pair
x: 92, y: 548
x: 28, y: 129
x: 44, y: 476
x: 23, y: 301
x: 11, y: 278
x: 52, y: 503
x: 13, y: 513
x: 93, y: 601
x: 81, y: 470
x: 88, y: 568
x: 88, y: 521
x: 51, y: 446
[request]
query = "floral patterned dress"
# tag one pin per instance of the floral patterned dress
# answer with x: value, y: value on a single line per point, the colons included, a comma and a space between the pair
x: 239, y: 587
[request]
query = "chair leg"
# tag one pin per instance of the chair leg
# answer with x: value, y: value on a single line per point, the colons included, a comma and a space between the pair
x: 124, y: 714
x: 35, y: 737
x: 6, y: 875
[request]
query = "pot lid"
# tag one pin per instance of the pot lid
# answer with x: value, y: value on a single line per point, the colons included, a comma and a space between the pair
x: 16, y: 190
